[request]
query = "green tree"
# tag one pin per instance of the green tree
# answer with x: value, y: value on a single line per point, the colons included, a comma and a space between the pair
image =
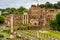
x: 1, y: 19
x: 42, y: 5
x: 33, y: 5
x: 53, y: 24
x: 48, y: 5
x: 55, y: 6
x: 5, y: 13
x: 58, y: 18
x: 21, y: 10
x: 1, y: 36
x: 13, y: 10
x: 8, y: 10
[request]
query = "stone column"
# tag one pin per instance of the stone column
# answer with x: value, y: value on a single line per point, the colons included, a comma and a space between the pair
x: 25, y: 18
x: 0, y: 12
x: 11, y: 36
x: 11, y: 23
x: 44, y: 21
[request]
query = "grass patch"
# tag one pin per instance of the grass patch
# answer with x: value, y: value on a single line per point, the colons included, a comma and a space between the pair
x: 53, y: 34
x: 5, y: 35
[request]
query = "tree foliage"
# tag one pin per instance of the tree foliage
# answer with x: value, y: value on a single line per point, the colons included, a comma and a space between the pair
x: 20, y: 10
x: 58, y: 18
x: 1, y: 36
x: 58, y: 21
x: 48, y: 5
x: 1, y: 19
x: 33, y: 5
x: 42, y: 5
x: 55, y: 24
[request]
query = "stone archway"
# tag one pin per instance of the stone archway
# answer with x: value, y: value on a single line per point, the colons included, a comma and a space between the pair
x: 34, y: 22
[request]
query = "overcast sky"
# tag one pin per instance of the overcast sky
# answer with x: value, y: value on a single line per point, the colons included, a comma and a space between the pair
x: 25, y: 3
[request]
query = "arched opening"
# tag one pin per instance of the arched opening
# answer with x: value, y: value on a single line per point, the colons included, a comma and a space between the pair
x: 35, y: 23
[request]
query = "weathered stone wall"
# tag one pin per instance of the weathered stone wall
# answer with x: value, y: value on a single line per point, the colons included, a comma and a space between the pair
x: 17, y: 20
x: 43, y: 15
x: 7, y: 20
x: 40, y: 16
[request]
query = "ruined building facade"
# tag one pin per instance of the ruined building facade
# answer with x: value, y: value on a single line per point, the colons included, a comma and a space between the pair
x: 41, y: 16
x: 35, y: 16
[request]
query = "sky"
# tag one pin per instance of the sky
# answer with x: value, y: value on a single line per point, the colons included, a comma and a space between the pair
x: 24, y: 3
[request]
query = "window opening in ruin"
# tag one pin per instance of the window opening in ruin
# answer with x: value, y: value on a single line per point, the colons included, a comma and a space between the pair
x: 35, y: 23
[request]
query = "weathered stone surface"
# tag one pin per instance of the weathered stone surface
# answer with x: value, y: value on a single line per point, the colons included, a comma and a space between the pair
x: 40, y: 16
